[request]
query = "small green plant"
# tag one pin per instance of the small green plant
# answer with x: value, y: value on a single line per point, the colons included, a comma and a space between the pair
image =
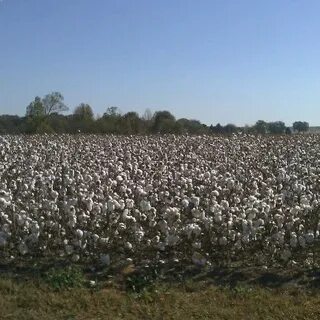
x: 241, y: 290
x: 139, y: 282
x: 69, y: 277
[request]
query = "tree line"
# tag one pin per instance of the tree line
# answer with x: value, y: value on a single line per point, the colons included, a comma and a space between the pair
x: 44, y: 115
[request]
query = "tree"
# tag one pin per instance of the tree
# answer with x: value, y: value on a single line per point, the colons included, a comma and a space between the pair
x: 288, y: 131
x: 112, y: 112
x: 192, y: 126
x: 230, y: 128
x: 217, y: 129
x: 261, y: 127
x: 163, y: 122
x: 35, y: 108
x: 84, y: 112
x: 300, y: 126
x: 148, y: 115
x: 53, y: 102
x: 277, y: 127
x: 131, y: 123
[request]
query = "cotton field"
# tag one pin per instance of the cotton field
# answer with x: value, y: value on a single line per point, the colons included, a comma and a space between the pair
x: 169, y: 199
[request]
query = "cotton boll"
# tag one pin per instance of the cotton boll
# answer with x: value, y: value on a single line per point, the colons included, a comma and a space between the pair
x: 223, y: 241
x: 218, y: 218
x: 225, y: 204
x: 128, y: 245
x: 122, y: 226
x: 185, y: 203
x: 79, y: 233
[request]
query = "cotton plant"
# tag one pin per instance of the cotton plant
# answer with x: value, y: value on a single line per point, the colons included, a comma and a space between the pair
x: 191, y: 199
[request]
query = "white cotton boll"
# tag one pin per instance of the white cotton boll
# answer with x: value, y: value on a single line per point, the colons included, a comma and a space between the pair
x: 122, y: 226
x: 185, y: 203
x: 225, y: 204
x: 117, y: 205
x: 54, y: 194
x: 122, y: 204
x: 215, y: 193
x: 230, y: 224
x: 237, y: 200
x: 79, y: 233
x: 89, y: 205
x: 223, y: 241
x: 119, y: 178
x: 125, y: 214
x: 218, y: 217
x: 95, y: 237
x: 131, y: 219
x: 128, y: 245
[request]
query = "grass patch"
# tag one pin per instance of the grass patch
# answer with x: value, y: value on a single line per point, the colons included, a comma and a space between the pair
x: 192, y: 300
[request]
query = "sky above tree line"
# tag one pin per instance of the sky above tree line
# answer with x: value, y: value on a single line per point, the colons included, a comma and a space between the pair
x: 213, y: 60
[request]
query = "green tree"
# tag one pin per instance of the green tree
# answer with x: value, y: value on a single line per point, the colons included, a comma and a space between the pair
x: 261, y: 127
x: 300, y: 126
x: 163, y: 122
x: 53, y: 103
x: 84, y: 112
x: 35, y: 108
x: 131, y: 123
x: 277, y: 127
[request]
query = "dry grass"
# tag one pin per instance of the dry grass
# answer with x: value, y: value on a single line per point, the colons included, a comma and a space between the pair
x: 32, y: 300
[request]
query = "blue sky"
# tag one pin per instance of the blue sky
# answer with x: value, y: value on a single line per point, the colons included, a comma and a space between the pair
x: 213, y: 60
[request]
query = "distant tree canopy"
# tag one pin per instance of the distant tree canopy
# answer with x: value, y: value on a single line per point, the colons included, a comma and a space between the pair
x: 84, y: 112
x: 261, y: 127
x: 53, y: 103
x: 277, y: 127
x: 45, y: 115
x: 300, y: 126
